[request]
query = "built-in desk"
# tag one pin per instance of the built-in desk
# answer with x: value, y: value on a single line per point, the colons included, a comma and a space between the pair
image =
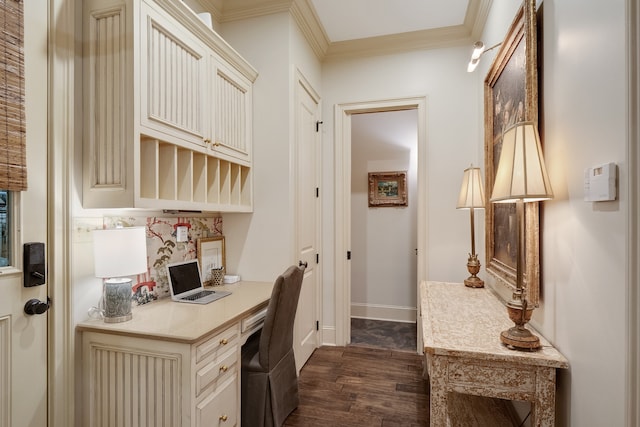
x: 173, y: 364
x: 461, y: 330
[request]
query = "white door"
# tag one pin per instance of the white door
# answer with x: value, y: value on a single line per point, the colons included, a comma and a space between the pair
x: 23, y: 338
x: 307, y: 191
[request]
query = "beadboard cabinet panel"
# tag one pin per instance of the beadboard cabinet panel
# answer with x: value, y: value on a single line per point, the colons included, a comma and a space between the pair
x: 168, y: 110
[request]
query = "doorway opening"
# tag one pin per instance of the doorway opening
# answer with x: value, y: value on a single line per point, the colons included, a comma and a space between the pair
x: 384, y: 238
x: 344, y: 115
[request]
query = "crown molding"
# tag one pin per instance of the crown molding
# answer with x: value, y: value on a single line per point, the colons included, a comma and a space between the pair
x: 305, y: 17
x: 414, y: 40
x: 236, y: 10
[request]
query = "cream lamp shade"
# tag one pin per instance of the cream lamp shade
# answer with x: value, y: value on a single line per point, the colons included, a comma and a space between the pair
x: 521, y: 174
x: 119, y: 252
x: 471, y: 191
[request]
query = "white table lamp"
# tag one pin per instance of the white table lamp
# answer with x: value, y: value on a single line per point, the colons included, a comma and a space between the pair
x: 118, y: 252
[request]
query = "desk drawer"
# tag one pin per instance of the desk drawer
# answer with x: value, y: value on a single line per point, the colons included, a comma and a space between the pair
x: 220, y: 408
x: 495, y: 379
x: 218, y: 344
x: 253, y: 321
x: 217, y: 370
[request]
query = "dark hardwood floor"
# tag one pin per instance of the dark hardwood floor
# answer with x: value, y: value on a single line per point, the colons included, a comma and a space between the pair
x: 361, y: 386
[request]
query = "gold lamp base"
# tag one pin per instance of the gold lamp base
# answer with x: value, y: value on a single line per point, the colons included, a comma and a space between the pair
x: 518, y: 337
x: 473, y: 266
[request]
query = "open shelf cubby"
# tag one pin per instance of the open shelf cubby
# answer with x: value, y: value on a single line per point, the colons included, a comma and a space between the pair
x: 176, y: 174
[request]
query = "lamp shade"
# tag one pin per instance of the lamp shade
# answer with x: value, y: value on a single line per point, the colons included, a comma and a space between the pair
x: 521, y: 174
x: 119, y: 252
x: 471, y: 192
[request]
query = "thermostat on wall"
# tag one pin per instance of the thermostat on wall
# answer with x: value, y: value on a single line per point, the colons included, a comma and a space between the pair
x: 600, y: 183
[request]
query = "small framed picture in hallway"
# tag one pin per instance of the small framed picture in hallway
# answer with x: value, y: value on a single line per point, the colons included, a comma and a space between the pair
x: 388, y: 189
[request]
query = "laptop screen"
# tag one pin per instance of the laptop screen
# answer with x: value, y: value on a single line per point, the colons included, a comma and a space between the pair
x: 184, y: 276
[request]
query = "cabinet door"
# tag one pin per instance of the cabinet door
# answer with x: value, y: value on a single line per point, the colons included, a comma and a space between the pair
x: 231, y: 116
x: 173, y: 80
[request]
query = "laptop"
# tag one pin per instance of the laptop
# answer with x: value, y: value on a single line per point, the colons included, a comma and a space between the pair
x: 185, y: 284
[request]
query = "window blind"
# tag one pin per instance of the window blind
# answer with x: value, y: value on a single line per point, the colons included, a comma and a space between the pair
x: 13, y: 162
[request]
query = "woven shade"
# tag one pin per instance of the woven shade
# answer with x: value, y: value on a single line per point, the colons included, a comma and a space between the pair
x: 13, y: 162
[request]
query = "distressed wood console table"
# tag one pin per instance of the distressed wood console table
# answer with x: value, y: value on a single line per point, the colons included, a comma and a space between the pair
x: 461, y: 329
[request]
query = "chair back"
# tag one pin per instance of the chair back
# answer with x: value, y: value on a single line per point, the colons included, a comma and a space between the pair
x: 276, y: 339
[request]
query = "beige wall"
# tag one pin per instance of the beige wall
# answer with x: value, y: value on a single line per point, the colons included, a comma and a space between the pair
x: 583, y: 247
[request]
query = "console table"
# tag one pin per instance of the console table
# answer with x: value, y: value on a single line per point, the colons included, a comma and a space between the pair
x: 461, y: 330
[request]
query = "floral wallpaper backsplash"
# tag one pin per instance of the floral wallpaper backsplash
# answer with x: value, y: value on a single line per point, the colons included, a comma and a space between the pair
x: 163, y: 248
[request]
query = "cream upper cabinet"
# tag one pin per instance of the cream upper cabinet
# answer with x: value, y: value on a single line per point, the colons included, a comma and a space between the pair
x: 174, y: 86
x: 231, y: 117
x: 168, y: 110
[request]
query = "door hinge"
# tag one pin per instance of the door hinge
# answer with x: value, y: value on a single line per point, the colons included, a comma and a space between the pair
x: 318, y: 123
x: 317, y: 192
x: 317, y: 258
x: 348, y: 254
x: 317, y: 325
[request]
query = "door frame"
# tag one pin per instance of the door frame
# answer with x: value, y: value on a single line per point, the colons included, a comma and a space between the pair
x: 342, y: 168
x: 60, y: 153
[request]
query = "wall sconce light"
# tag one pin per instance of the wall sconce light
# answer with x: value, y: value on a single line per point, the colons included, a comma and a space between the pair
x: 118, y: 252
x: 521, y: 177
x: 478, y: 51
x: 472, y: 197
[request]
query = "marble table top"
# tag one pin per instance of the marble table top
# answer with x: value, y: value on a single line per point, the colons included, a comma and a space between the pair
x: 467, y: 322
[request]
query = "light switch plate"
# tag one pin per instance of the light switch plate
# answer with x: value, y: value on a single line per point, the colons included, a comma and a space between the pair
x: 181, y: 233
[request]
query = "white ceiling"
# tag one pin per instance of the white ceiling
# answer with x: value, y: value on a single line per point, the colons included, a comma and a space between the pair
x: 358, y: 19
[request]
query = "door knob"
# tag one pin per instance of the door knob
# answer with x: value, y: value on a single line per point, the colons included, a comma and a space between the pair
x: 35, y: 306
x: 302, y: 264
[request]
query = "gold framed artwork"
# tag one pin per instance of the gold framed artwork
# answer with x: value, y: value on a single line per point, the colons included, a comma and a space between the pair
x: 388, y: 189
x: 511, y: 96
x: 211, y: 255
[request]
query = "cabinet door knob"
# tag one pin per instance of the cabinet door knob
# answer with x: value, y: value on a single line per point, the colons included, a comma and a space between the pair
x: 223, y: 418
x: 224, y: 341
x: 224, y: 368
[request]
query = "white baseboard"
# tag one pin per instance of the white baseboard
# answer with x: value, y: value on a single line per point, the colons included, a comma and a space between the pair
x: 383, y: 312
x: 329, y: 335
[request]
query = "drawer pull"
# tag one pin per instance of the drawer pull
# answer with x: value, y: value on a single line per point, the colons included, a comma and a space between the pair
x: 223, y: 418
x: 224, y: 368
x: 224, y: 341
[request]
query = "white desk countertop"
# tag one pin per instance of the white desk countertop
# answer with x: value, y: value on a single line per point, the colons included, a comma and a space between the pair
x: 181, y: 322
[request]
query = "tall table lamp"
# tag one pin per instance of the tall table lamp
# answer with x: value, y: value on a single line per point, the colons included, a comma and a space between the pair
x: 521, y: 177
x: 472, y: 197
x: 118, y: 252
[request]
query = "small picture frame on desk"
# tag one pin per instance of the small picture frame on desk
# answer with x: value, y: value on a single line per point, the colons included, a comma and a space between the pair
x: 211, y: 255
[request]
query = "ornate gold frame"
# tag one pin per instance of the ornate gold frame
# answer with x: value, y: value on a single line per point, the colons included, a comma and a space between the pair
x: 379, y: 198
x: 510, y: 96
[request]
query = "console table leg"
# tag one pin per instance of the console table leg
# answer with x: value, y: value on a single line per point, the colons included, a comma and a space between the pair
x: 543, y: 408
x: 438, y: 395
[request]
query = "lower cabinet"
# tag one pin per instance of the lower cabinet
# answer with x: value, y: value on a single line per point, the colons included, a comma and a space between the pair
x: 138, y: 381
